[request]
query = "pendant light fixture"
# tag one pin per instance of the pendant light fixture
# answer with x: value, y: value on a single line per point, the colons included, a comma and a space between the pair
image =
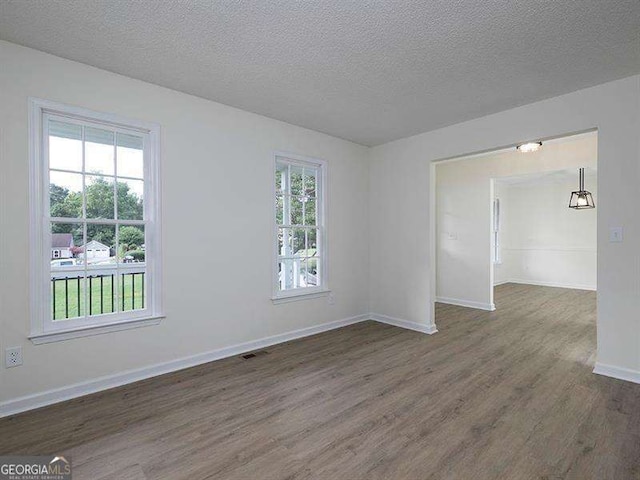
x: 581, y: 199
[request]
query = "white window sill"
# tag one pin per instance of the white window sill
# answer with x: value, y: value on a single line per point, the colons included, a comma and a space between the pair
x: 296, y: 296
x: 61, y: 335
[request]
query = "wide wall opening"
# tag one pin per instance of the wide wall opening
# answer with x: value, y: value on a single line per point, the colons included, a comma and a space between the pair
x: 505, y: 227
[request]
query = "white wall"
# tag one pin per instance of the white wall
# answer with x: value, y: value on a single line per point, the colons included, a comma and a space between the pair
x: 463, y: 212
x: 217, y: 169
x: 403, y: 228
x: 542, y: 241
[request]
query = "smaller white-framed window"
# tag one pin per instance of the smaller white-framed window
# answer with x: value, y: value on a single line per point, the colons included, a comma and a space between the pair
x: 95, y: 222
x: 300, y: 265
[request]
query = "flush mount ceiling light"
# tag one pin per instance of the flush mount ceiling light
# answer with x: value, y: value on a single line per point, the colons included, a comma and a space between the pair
x: 581, y: 199
x: 529, y: 147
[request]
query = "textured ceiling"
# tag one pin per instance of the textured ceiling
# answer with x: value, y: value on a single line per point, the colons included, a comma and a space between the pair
x: 368, y: 71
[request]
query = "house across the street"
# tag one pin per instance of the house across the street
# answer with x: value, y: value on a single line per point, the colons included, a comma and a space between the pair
x: 61, y: 245
x: 95, y: 249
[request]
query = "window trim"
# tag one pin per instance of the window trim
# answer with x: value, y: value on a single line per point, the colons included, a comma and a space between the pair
x: 279, y: 296
x: 42, y: 328
x: 496, y: 230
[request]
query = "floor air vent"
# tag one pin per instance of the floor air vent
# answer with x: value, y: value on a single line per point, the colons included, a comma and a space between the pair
x: 248, y: 356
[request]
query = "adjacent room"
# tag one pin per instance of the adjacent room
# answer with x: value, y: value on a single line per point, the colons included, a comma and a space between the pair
x: 319, y: 240
x: 539, y: 239
x: 511, y: 216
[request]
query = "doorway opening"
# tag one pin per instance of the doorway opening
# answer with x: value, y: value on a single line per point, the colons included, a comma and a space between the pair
x: 503, y: 217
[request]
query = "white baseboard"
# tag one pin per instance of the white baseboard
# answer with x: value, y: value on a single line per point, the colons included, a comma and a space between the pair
x: 620, y: 373
x: 552, y: 284
x: 466, y: 303
x: 397, y: 322
x: 49, y: 397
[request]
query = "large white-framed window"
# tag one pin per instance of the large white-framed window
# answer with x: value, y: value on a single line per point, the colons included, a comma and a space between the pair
x: 300, y: 266
x: 95, y: 222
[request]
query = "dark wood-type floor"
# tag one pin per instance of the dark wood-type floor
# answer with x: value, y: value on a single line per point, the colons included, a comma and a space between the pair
x: 507, y: 395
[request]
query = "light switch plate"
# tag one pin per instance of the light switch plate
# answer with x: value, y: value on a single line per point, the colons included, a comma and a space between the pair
x: 616, y: 234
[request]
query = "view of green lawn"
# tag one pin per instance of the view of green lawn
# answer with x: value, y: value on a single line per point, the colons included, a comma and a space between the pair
x: 68, y: 300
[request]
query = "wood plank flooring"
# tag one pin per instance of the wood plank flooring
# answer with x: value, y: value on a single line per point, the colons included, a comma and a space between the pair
x: 494, y: 395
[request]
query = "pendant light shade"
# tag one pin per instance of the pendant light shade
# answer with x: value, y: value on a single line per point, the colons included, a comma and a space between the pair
x: 581, y: 198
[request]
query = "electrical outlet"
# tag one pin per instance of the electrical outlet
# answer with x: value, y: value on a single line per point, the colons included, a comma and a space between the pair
x: 331, y: 299
x: 13, y: 357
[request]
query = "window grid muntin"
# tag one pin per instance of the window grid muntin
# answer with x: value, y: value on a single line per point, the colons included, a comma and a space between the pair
x: 84, y: 220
